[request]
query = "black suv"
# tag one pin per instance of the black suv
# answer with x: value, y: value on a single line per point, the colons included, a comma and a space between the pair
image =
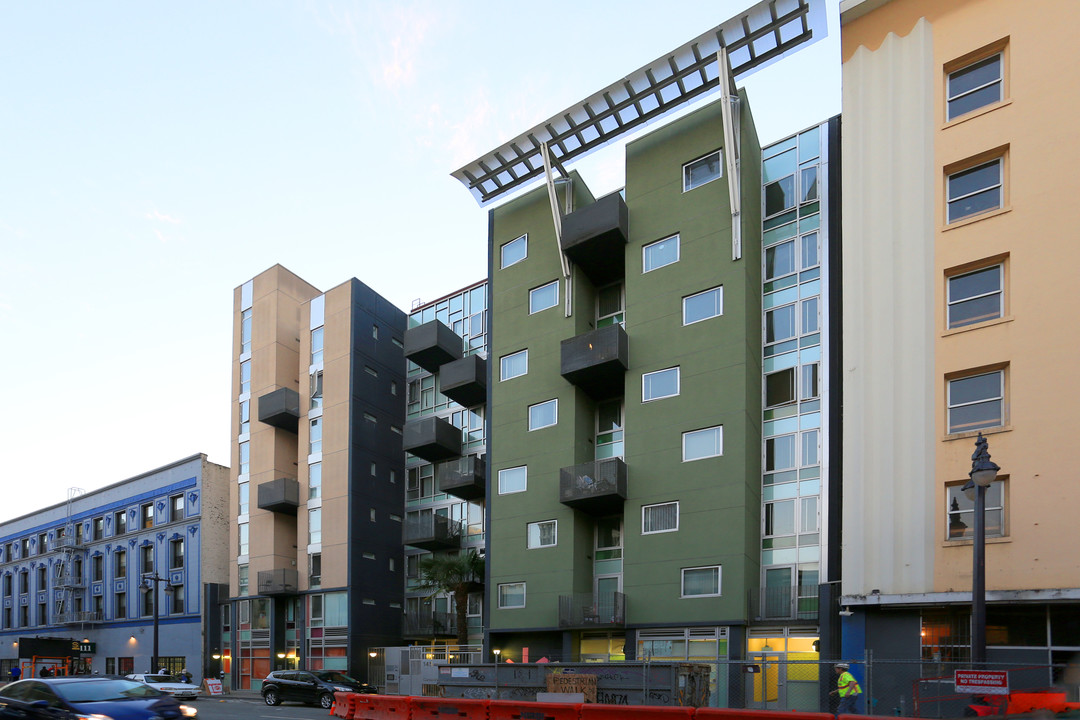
x: 309, y: 687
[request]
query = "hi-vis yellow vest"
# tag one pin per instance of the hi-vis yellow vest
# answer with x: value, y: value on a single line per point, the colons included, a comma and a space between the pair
x: 846, y: 684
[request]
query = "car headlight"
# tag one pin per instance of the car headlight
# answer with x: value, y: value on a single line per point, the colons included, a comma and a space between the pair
x: 338, y: 688
x: 188, y: 711
x: 91, y: 716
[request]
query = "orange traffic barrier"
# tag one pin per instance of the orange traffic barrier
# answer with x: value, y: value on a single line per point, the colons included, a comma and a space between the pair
x: 344, y: 705
x: 429, y: 708
x: 518, y: 710
x: 746, y: 714
x: 380, y: 707
x: 637, y: 712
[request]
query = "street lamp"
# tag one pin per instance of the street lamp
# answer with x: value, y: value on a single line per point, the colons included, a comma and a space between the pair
x: 983, y: 473
x: 497, y: 652
x: 149, y: 585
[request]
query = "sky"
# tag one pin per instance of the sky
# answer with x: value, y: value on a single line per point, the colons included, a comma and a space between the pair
x: 154, y: 156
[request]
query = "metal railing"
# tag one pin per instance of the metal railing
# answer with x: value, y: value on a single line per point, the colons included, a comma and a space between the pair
x: 784, y: 603
x: 584, y: 610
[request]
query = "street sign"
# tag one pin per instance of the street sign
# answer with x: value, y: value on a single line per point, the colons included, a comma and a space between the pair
x: 982, y: 682
x: 212, y: 686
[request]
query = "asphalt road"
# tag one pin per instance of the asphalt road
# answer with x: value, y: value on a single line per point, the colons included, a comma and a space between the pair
x: 253, y: 708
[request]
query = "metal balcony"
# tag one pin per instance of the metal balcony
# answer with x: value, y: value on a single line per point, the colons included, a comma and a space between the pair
x: 70, y: 541
x: 79, y: 618
x: 432, y: 532
x: 597, y: 488
x: 280, y: 408
x: 432, y: 439
x: 69, y: 580
x: 429, y: 624
x: 596, y: 361
x: 465, y: 381
x: 464, y: 477
x: 281, y: 495
x: 784, y: 603
x: 594, y: 237
x: 282, y: 581
x: 588, y: 610
x: 432, y: 345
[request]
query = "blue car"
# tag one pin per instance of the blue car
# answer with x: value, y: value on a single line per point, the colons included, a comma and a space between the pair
x: 102, y: 698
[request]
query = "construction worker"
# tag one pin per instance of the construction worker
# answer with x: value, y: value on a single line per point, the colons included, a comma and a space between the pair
x: 848, y: 690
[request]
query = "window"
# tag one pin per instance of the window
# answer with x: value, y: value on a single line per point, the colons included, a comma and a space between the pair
x: 609, y: 429
x: 780, y: 388
x: 779, y: 453
x: 701, y: 171
x: 704, y: 305
x: 542, y: 534
x: 43, y: 541
x: 780, y: 324
x: 660, y: 384
x: 245, y: 331
x: 543, y: 414
x: 315, y: 526
x: 977, y: 402
x: 975, y: 297
x: 314, y: 481
x: 701, y: 444
x: 119, y: 564
x: 810, y: 374
x: 513, y: 480
x: 242, y: 547
x: 780, y: 195
x: 97, y: 533
x: 147, y: 603
x: 241, y: 579
x: 315, y: 570
x: 176, y: 554
x: 544, y: 297
x: 245, y: 377
x: 177, y: 599
x: 120, y: 606
x: 609, y: 306
x: 701, y: 581
x: 811, y: 440
x: 811, y: 317
x: 245, y: 458
x: 176, y: 503
x: 659, y: 518
x: 316, y: 611
x: 511, y: 595
x: 660, y: 253
x: 514, y: 365
x: 243, y: 498
x: 316, y: 346
x: 97, y: 565
x: 779, y: 518
x: 514, y: 251
x: 147, y: 516
x: 374, y: 332
x: 961, y: 511
x: 975, y: 190
x: 315, y: 436
x: 974, y: 86
x: 42, y: 578
x: 315, y: 383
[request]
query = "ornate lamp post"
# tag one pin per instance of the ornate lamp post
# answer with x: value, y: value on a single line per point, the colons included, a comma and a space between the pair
x: 150, y: 585
x: 983, y: 473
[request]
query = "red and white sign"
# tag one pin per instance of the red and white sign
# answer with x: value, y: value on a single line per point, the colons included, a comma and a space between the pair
x: 213, y: 686
x: 982, y: 682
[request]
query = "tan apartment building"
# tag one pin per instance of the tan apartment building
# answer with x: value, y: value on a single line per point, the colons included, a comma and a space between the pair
x: 959, y: 157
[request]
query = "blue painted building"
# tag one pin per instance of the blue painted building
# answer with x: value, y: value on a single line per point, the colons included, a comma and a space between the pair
x: 76, y: 573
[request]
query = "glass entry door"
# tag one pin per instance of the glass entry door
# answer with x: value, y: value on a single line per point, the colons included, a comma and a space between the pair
x: 766, y: 689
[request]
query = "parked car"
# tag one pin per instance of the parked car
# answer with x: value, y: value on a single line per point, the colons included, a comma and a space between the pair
x: 317, y: 686
x: 169, y: 684
x: 113, y: 697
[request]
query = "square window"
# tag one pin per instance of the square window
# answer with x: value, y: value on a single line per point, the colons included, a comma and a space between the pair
x: 701, y: 171
x: 660, y: 253
x: 701, y: 581
x: 514, y: 251
x: 976, y: 297
x: 780, y: 388
x: 542, y: 534
x: 544, y: 297
x: 779, y: 518
x: 960, y: 513
x: 543, y: 414
x: 779, y: 324
x: 703, y: 305
x: 513, y: 480
x: 514, y: 365
x: 659, y: 518
x: 779, y: 453
x: 701, y: 444
x: 660, y: 384
x: 780, y: 195
x: 975, y: 85
x: 974, y: 190
x: 511, y: 595
x: 779, y: 260
x: 977, y: 402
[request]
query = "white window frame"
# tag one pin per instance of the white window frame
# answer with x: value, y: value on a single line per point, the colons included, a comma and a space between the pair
x: 525, y: 484
x: 1000, y: 292
x: 502, y: 251
x: 999, y: 161
x: 502, y: 367
x: 645, y: 253
x: 539, y: 544
x: 539, y: 405
x: 687, y: 186
x: 644, y: 512
x: 719, y: 289
x: 678, y: 384
x: 499, y: 595
x: 719, y: 429
x: 555, y: 303
x: 719, y: 581
x: 1000, y: 397
x: 1000, y: 82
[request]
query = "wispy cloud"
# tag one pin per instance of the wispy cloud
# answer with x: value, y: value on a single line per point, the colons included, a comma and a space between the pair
x: 162, y: 217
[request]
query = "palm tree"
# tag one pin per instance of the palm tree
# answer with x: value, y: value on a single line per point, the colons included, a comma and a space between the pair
x: 454, y: 574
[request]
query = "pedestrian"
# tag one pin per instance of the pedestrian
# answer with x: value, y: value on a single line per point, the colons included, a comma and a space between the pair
x: 16, y: 673
x: 185, y: 676
x: 848, y: 690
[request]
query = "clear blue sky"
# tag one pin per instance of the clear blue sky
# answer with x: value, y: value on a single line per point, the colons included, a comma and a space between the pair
x: 153, y: 156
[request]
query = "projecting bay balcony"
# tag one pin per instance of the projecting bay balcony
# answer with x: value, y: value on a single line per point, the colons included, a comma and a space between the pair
x: 281, y: 495
x: 464, y: 477
x: 432, y: 345
x: 465, y: 381
x: 594, y: 237
x: 589, y: 610
x: 282, y: 581
x: 597, y: 488
x: 432, y: 532
x: 429, y: 624
x: 432, y: 439
x: 596, y: 361
x: 280, y: 408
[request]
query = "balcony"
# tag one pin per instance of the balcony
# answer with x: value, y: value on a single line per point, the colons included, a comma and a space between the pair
x: 79, y: 618
x: 429, y: 624
x: 280, y: 408
x: 596, y: 361
x: 784, y: 603
x: 432, y: 345
x: 432, y: 532
x: 431, y: 438
x: 281, y: 495
x: 464, y: 477
x: 586, y: 610
x: 282, y: 581
x: 594, y: 237
x: 69, y: 580
x: 465, y: 381
x: 597, y: 488
x: 68, y: 542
